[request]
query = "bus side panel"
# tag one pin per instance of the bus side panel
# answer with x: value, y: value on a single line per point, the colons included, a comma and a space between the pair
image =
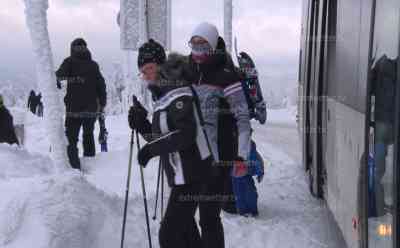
x: 347, y: 76
x: 348, y: 133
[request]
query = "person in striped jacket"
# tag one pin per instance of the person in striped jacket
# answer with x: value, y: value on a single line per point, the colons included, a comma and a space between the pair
x: 227, y: 123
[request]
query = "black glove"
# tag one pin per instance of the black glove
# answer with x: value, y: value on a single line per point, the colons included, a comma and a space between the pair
x: 137, y: 116
x: 144, y: 155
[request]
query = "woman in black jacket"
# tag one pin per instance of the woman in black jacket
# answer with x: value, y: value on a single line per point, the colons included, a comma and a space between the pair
x: 175, y: 135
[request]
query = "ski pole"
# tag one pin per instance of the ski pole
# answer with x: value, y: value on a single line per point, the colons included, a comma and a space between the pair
x: 127, y: 191
x: 162, y: 192
x: 157, y: 190
x: 144, y: 193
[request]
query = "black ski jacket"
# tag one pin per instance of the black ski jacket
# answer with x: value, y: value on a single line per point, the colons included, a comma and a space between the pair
x: 86, y: 86
x: 175, y: 133
x: 7, y: 132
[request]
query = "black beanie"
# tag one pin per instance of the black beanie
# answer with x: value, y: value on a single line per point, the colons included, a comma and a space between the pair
x: 79, y: 42
x: 151, y: 52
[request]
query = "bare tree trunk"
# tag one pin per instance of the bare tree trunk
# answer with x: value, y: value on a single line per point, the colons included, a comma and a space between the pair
x: 36, y: 20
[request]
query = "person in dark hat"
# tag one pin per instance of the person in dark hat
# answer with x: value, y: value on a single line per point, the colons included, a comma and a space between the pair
x: 177, y: 137
x: 7, y: 132
x: 86, y: 89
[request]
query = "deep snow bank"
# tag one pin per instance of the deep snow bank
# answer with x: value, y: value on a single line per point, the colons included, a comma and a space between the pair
x: 41, y: 209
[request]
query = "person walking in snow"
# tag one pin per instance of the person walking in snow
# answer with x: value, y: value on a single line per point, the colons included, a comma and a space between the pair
x: 175, y: 135
x: 32, y: 102
x: 7, y: 132
x: 225, y: 111
x: 85, y: 89
x: 39, y: 111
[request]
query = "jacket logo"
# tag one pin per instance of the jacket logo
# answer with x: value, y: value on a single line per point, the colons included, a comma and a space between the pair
x: 179, y: 105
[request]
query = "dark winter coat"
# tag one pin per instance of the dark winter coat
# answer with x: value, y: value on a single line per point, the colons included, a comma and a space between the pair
x: 384, y: 77
x: 32, y: 102
x: 7, y: 132
x: 86, y: 86
x: 175, y: 133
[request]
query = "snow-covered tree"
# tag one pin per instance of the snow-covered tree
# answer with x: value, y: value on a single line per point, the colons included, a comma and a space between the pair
x: 140, y: 20
x: 36, y: 20
x: 118, y: 79
x: 115, y: 87
x: 14, y: 94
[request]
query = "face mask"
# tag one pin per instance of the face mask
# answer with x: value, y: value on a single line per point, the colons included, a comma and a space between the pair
x: 201, y: 52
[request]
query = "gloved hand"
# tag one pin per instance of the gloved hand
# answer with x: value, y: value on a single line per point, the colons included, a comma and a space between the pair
x: 240, y: 168
x: 144, y: 155
x: 137, y: 116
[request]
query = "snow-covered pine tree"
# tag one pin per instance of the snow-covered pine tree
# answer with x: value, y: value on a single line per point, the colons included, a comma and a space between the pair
x: 36, y: 20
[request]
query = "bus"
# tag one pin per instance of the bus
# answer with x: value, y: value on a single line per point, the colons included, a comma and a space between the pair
x: 349, y: 113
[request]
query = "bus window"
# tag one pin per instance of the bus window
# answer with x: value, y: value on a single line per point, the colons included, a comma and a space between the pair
x: 383, y: 92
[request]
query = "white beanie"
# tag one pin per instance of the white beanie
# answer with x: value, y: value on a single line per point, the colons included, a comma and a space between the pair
x: 207, y: 31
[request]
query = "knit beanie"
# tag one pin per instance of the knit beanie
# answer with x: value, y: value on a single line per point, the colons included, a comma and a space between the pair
x: 151, y: 52
x: 207, y: 31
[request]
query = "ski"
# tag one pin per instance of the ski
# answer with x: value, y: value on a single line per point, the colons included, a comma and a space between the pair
x: 251, y: 86
x: 103, y: 135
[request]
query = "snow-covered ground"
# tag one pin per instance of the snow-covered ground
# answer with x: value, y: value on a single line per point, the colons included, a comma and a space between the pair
x: 40, y: 209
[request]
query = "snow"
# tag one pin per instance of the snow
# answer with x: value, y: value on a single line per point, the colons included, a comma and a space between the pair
x: 19, y: 115
x: 284, y: 116
x: 85, y: 210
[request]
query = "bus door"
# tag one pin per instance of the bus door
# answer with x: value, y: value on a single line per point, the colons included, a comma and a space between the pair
x: 317, y: 98
x: 382, y: 203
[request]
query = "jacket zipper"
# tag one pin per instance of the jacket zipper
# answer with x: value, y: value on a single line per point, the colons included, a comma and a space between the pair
x: 201, y: 74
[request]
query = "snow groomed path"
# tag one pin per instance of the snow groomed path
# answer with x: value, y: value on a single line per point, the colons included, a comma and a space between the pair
x: 75, y: 210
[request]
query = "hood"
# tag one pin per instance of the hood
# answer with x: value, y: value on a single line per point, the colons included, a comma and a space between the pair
x: 207, y: 31
x: 174, y: 73
x: 79, y: 49
x: 176, y: 68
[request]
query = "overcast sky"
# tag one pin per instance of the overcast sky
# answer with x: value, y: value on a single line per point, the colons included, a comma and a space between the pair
x: 268, y: 30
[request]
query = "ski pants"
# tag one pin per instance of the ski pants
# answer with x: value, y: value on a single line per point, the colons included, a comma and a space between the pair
x: 178, y: 227
x: 383, y: 138
x: 246, y: 194
x: 72, y: 129
x: 212, y: 199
